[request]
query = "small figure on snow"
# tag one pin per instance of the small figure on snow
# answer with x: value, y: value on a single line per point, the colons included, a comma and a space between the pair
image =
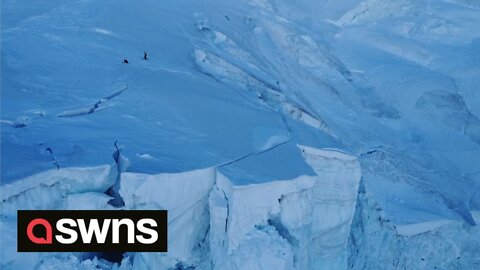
x: 125, y: 61
x: 145, y: 56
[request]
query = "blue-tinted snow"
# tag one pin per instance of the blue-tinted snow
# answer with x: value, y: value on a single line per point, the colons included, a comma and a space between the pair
x: 59, y: 69
x: 395, y: 81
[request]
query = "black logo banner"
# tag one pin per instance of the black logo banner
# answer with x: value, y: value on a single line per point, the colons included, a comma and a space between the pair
x: 92, y: 230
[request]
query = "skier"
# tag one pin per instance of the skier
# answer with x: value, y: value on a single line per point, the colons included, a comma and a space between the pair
x: 145, y: 56
x: 125, y: 61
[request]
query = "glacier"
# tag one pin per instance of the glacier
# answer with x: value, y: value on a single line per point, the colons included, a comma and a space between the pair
x: 278, y: 134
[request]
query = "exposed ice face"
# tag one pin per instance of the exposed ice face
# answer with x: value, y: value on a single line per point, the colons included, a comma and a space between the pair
x: 436, y: 244
x: 290, y: 223
x: 311, y: 213
x: 54, y: 189
x: 70, y: 188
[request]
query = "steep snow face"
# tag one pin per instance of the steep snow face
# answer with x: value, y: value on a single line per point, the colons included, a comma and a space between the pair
x: 55, y: 189
x: 437, y: 244
x: 334, y: 196
x: 65, y: 102
x: 225, y: 83
x: 213, y: 223
x: 72, y: 188
x: 310, y: 214
x: 392, y: 98
x: 185, y: 196
x: 265, y: 94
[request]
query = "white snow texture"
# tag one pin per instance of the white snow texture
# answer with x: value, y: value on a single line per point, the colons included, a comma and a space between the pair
x: 278, y: 134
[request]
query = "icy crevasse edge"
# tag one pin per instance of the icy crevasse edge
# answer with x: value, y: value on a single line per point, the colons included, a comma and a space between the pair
x: 66, y: 188
x: 212, y: 224
x: 453, y: 245
x: 307, y: 218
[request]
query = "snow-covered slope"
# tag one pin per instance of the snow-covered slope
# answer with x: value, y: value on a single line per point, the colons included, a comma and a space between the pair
x: 252, y: 122
x: 376, y: 243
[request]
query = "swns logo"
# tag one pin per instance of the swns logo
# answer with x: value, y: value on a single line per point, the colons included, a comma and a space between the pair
x: 92, y: 230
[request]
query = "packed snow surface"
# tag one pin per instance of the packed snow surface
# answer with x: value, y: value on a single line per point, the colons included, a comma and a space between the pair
x: 278, y: 134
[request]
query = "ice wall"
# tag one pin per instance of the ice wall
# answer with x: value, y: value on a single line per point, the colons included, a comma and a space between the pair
x: 307, y: 217
x: 185, y: 196
x: 395, y: 82
x: 376, y: 243
x: 69, y: 188
x: 295, y: 223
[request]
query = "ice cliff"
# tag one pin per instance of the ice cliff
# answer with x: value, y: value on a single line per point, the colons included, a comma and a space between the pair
x: 213, y: 223
x: 278, y: 134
